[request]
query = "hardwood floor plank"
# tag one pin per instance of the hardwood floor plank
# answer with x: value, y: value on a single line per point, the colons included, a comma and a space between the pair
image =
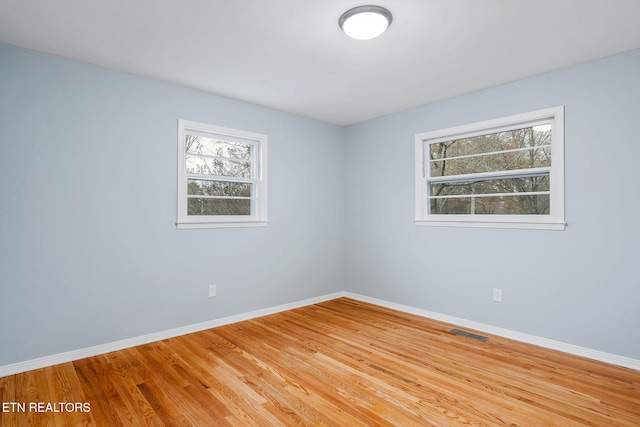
x: 353, y: 392
x: 136, y: 404
x: 374, y: 358
x: 92, y: 388
x: 107, y: 404
x: 167, y: 389
x: 337, y: 363
x: 281, y: 406
x: 314, y: 378
x: 9, y: 417
x: 493, y: 367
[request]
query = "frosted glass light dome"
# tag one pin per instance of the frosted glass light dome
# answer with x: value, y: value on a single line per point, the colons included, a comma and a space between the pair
x: 365, y: 22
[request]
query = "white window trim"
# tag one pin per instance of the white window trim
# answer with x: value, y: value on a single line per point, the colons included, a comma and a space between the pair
x: 259, y: 216
x: 554, y: 221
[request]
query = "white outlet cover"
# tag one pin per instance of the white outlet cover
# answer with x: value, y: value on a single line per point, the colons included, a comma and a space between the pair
x: 212, y: 291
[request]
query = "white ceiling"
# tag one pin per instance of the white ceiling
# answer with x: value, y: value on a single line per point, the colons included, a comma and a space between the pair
x: 291, y: 55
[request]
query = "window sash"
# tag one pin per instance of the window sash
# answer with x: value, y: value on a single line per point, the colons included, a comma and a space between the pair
x: 489, y: 153
x: 494, y: 156
x: 256, y: 179
x: 515, y: 173
x: 476, y: 196
x: 554, y: 220
x: 200, y: 196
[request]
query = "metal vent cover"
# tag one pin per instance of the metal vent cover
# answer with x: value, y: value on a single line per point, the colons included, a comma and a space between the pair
x: 468, y: 335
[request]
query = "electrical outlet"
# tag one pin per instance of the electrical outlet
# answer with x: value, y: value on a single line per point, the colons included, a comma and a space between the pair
x: 212, y: 291
x: 497, y: 295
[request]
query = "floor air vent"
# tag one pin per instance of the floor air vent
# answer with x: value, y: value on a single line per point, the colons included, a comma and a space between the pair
x: 468, y: 334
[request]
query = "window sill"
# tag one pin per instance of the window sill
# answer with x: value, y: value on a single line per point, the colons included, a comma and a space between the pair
x: 476, y: 223
x: 221, y: 224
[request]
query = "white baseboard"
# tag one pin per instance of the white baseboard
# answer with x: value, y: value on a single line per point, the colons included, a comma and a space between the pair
x: 70, y: 356
x: 613, y: 359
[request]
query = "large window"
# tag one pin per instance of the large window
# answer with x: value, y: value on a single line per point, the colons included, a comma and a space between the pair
x: 507, y: 173
x: 222, y: 177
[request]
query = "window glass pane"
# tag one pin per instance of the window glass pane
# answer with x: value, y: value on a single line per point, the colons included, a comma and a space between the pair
x: 200, y: 206
x: 217, y: 147
x: 219, y: 167
x: 525, y: 184
x: 499, y: 205
x: 535, y: 136
x: 201, y: 187
x: 534, y: 158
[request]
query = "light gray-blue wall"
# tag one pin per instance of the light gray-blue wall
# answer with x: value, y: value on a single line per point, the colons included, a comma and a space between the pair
x: 89, y: 250
x: 580, y: 286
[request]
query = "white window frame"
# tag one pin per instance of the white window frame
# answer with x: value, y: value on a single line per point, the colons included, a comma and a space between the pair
x: 555, y: 220
x: 258, y: 216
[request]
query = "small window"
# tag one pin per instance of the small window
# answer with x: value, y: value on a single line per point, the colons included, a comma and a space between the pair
x: 505, y: 173
x: 222, y: 177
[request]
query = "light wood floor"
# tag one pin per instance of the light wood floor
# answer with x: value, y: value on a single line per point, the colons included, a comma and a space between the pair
x: 342, y: 363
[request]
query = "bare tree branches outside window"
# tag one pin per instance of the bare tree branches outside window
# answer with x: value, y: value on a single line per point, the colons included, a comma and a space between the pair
x: 218, y: 161
x: 498, y: 173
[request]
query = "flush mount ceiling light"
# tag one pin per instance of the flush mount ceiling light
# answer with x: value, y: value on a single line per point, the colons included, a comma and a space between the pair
x: 365, y: 22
